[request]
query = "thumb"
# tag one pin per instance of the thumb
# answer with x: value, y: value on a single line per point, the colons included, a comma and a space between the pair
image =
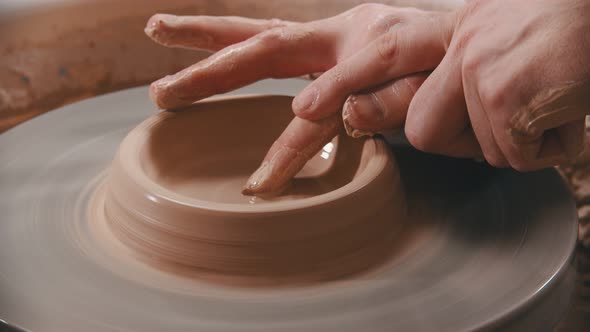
x: 381, y: 109
x: 437, y: 120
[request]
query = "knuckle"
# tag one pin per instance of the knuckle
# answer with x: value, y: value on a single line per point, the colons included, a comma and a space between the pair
x: 384, y: 23
x: 462, y: 41
x: 275, y: 23
x: 272, y: 37
x: 387, y: 46
x: 472, y: 64
x: 421, y: 141
x: 492, y: 96
x: 368, y: 8
x: 280, y: 36
x: 468, y: 11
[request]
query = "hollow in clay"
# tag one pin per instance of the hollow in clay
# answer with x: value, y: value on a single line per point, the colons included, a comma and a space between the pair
x: 173, y: 196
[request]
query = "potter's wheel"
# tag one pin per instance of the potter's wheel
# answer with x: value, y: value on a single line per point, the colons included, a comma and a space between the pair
x: 485, y: 248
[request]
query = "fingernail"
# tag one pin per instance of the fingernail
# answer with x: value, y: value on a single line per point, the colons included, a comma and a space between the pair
x: 349, y: 105
x: 257, y: 180
x: 369, y: 108
x: 366, y: 110
x: 306, y: 100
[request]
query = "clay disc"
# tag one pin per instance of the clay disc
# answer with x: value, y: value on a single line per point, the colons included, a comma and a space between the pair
x: 485, y: 248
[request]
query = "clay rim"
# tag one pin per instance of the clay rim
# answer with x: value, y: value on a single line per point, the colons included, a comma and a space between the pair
x: 378, y: 154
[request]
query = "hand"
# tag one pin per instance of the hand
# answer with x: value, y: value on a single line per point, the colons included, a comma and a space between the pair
x: 482, y: 92
x: 514, y: 74
x: 249, y: 50
x: 522, y: 70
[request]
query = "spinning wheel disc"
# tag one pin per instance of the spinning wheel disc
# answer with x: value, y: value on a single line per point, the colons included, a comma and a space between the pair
x: 484, y: 249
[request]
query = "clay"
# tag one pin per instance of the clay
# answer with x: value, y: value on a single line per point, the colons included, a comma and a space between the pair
x: 350, y: 131
x: 173, y: 195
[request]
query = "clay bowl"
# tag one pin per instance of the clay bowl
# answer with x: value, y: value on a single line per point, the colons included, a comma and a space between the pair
x: 174, y: 197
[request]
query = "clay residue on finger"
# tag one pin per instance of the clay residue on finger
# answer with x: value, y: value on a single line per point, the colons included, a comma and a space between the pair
x: 270, y: 179
x: 163, y: 96
x: 550, y: 108
x: 299, y: 142
x: 154, y: 25
x: 351, y: 131
x: 175, y: 31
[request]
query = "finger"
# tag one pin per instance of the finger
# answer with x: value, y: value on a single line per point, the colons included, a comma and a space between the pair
x: 401, y: 51
x: 546, y: 151
x: 534, y: 148
x: 555, y: 147
x: 276, y: 53
x: 479, y: 119
x: 381, y: 109
x: 210, y: 33
x: 437, y: 120
x: 547, y: 131
x: 300, y: 141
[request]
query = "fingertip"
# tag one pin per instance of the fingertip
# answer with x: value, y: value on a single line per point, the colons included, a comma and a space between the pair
x: 366, y: 112
x: 157, y: 23
x: 153, y: 93
x: 350, y: 126
x: 161, y: 95
x: 153, y: 24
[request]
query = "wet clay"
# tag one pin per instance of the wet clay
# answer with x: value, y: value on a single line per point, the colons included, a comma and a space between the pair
x: 173, y: 195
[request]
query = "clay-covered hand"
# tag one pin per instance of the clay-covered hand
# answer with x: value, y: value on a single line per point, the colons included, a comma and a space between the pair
x: 248, y: 50
x: 522, y: 69
x: 512, y: 76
